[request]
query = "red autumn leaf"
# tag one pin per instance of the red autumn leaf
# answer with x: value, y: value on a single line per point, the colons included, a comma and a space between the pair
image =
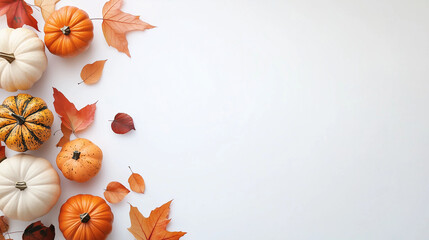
x: 18, y: 13
x: 123, y: 123
x: 154, y: 227
x: 4, y: 225
x: 2, y: 152
x: 115, y: 192
x: 38, y: 231
x: 116, y: 24
x: 71, y: 118
x: 136, y: 182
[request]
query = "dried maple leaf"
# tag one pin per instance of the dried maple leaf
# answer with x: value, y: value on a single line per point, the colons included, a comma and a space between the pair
x: 122, y: 123
x: 115, y: 192
x: 154, y: 227
x: 91, y: 73
x: 47, y: 7
x: 4, y: 224
x: 116, y: 24
x: 18, y: 13
x: 71, y: 118
x: 136, y: 182
x: 38, y: 231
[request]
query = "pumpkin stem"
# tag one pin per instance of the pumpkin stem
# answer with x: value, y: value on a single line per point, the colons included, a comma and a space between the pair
x: 20, y: 119
x: 21, y: 185
x: 76, y: 155
x: 10, y: 57
x: 84, y: 217
x: 66, y: 30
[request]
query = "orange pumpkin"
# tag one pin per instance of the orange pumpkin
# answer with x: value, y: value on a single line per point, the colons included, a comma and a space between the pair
x: 85, y: 217
x: 25, y: 122
x: 68, y: 31
x: 80, y: 160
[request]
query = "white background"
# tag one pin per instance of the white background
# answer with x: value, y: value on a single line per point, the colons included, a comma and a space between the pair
x: 288, y: 119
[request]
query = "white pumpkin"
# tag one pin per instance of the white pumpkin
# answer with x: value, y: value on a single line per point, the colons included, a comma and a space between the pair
x: 22, y: 59
x: 29, y: 187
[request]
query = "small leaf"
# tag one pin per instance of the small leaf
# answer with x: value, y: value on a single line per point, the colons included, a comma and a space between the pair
x: 154, y: 227
x: 91, y: 73
x: 38, y: 231
x: 136, y: 182
x: 123, y: 123
x: 66, y: 136
x: 2, y: 152
x: 18, y: 13
x: 4, y: 224
x: 116, y: 24
x: 47, y: 7
x: 115, y: 192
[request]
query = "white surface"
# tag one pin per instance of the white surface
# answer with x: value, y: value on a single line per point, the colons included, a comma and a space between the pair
x: 285, y: 119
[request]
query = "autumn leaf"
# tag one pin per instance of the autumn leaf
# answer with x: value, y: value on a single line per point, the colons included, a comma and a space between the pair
x: 122, y: 123
x: 4, y: 225
x: 91, y: 73
x: 71, y: 118
x: 116, y: 24
x: 47, y: 7
x: 18, y: 13
x: 38, y: 231
x: 154, y: 227
x: 115, y: 192
x: 66, y: 135
x: 2, y: 152
x: 136, y: 182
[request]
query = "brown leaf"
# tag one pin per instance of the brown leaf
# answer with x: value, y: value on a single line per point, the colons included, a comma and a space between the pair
x: 116, y: 24
x: 2, y: 152
x: 136, y: 182
x: 91, y: 73
x: 115, y: 192
x: 47, y: 7
x: 122, y: 123
x: 154, y: 227
x: 38, y: 231
x: 66, y: 136
x: 18, y: 13
x: 4, y: 224
x: 71, y: 118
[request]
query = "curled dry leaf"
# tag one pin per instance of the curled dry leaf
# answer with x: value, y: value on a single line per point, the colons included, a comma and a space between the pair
x: 18, y: 13
x: 38, y: 231
x: 122, y: 123
x: 91, y: 73
x: 136, y: 182
x: 116, y: 24
x: 47, y: 7
x: 71, y: 118
x: 115, y: 192
x: 2, y: 152
x: 4, y: 224
x: 154, y: 227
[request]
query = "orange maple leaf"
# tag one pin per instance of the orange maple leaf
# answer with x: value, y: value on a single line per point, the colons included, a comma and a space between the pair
x: 116, y: 24
x: 153, y: 227
x: 18, y: 13
x: 71, y: 118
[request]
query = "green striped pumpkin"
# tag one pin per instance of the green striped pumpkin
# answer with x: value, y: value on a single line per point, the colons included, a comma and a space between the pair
x: 25, y: 122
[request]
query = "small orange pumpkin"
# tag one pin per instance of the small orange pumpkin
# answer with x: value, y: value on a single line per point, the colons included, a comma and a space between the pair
x: 85, y: 217
x: 80, y: 160
x: 25, y: 122
x: 68, y: 31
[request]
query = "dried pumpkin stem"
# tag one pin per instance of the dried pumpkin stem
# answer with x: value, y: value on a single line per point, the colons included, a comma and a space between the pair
x: 76, y: 155
x: 20, y: 119
x: 66, y: 30
x: 84, y: 217
x: 10, y: 57
x: 21, y: 185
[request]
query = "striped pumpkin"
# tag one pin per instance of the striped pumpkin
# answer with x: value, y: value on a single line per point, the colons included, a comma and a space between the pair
x: 25, y: 122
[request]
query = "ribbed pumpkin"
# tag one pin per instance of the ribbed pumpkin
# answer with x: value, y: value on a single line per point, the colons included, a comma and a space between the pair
x: 85, y: 217
x: 25, y: 122
x: 80, y: 160
x: 68, y: 31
